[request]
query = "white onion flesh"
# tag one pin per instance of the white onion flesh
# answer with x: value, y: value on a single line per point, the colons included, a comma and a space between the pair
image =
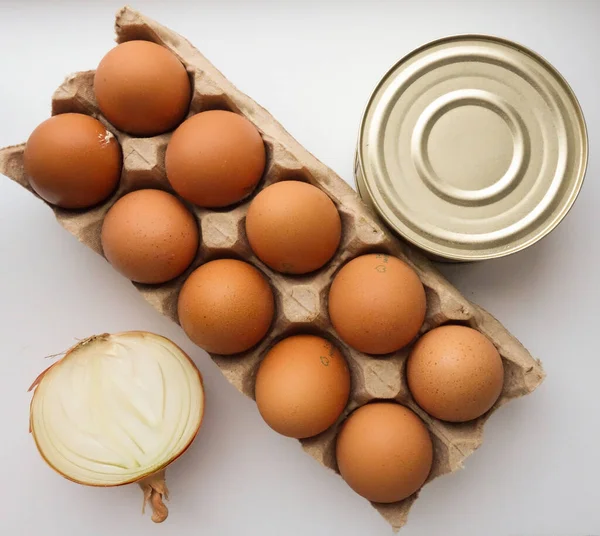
x: 117, y: 408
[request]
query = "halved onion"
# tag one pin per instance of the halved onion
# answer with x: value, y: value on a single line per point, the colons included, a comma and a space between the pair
x: 118, y: 409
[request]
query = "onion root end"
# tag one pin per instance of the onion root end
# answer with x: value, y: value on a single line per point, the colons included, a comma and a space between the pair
x: 155, y: 492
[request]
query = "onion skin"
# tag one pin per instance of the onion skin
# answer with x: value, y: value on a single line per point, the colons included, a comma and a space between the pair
x: 153, y: 485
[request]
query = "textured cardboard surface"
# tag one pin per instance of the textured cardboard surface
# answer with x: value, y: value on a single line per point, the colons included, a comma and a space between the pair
x: 301, y: 300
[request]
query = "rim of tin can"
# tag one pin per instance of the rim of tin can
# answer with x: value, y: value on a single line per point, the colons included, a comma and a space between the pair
x: 365, y: 189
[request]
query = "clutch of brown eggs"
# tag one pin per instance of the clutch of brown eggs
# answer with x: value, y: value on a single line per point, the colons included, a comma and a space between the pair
x: 300, y: 300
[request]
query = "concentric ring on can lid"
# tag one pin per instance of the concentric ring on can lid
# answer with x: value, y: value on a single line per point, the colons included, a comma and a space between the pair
x: 472, y: 147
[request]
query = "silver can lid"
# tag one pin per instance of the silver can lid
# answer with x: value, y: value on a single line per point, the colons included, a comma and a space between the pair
x: 472, y: 147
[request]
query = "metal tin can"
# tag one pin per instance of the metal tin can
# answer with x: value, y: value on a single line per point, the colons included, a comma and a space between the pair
x: 471, y: 147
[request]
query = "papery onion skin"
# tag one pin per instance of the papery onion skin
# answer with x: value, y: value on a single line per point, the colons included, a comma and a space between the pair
x: 152, y: 483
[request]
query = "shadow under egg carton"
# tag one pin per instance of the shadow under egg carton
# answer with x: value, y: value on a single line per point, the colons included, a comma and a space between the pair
x: 301, y: 300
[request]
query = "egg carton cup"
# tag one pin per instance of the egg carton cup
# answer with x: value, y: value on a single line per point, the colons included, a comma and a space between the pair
x: 301, y: 301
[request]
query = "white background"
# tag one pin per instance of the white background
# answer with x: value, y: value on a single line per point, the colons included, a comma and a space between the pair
x: 313, y: 66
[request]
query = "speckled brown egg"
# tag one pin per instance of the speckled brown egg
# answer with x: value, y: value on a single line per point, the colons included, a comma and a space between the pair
x: 293, y: 227
x: 226, y: 306
x: 72, y: 161
x: 384, y: 452
x: 142, y: 88
x: 149, y: 236
x: 302, y: 386
x: 377, y: 303
x: 455, y: 373
x: 215, y: 158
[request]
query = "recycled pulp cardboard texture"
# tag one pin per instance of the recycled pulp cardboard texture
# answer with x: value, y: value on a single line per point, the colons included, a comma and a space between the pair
x: 301, y: 301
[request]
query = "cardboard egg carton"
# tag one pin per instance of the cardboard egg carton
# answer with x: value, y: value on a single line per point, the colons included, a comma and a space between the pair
x: 301, y: 301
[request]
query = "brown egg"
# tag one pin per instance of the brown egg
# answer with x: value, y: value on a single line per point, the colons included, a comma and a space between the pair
x: 293, y: 227
x: 226, y: 306
x: 142, y: 88
x: 455, y: 373
x: 215, y: 158
x: 72, y: 161
x: 377, y: 303
x: 149, y: 236
x: 384, y: 452
x: 302, y: 386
